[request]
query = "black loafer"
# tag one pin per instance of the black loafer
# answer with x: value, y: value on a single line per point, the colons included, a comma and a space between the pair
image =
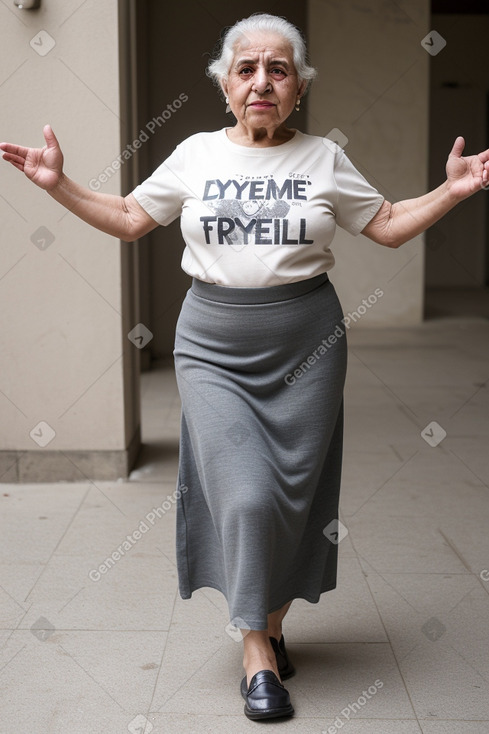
x: 265, y: 698
x: 285, y: 667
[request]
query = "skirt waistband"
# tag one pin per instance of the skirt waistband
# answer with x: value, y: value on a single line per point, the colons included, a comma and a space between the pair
x: 268, y: 294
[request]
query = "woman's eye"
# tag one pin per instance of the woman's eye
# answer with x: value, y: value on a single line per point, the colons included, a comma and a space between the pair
x: 247, y: 70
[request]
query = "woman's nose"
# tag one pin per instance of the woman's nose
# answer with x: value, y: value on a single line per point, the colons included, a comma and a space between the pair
x: 261, y: 82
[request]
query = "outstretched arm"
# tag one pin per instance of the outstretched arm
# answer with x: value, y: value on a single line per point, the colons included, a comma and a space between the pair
x: 121, y: 217
x: 397, y: 223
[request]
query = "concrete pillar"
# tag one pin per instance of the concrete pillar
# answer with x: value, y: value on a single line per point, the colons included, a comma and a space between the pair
x: 69, y: 398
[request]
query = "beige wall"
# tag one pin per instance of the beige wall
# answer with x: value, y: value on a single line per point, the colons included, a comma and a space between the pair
x: 64, y: 357
x: 373, y: 86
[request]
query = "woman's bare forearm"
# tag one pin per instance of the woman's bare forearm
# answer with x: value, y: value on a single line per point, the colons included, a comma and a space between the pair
x: 397, y: 223
x: 120, y: 217
x: 411, y: 217
x: 107, y: 212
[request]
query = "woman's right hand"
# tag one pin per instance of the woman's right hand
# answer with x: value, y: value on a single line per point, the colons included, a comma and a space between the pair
x: 42, y: 166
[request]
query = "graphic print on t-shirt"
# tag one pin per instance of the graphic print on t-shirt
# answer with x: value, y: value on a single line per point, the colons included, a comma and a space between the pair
x: 253, y: 210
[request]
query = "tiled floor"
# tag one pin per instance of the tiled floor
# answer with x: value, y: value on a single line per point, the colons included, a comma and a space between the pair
x: 400, y: 647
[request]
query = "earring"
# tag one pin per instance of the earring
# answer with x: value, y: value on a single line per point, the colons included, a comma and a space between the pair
x: 227, y: 100
x: 298, y: 104
x: 228, y: 108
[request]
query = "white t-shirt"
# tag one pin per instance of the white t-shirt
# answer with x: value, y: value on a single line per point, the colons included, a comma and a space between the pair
x: 253, y: 217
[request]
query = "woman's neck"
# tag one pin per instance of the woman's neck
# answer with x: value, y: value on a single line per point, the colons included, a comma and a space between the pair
x: 259, y: 137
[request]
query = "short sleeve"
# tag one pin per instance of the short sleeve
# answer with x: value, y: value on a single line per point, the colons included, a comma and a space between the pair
x: 161, y: 194
x: 357, y: 200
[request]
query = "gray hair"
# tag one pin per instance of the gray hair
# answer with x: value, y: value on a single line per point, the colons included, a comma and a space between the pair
x: 218, y: 69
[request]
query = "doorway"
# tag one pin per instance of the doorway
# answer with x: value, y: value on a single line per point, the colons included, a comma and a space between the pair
x: 457, y: 248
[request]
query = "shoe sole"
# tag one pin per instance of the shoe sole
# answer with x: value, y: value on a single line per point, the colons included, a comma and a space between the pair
x: 268, y: 713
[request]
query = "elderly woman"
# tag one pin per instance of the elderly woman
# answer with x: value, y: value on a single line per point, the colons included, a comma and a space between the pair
x: 260, y: 455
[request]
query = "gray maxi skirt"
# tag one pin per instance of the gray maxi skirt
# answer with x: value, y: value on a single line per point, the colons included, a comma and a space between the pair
x: 260, y: 372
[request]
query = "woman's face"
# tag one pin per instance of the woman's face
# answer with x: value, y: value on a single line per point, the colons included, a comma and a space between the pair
x: 262, y: 84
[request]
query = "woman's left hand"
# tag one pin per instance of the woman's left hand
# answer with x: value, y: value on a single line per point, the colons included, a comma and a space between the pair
x: 466, y: 174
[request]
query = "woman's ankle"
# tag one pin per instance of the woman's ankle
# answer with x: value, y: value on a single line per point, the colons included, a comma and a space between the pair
x: 275, y: 632
x: 275, y: 620
x: 259, y: 655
